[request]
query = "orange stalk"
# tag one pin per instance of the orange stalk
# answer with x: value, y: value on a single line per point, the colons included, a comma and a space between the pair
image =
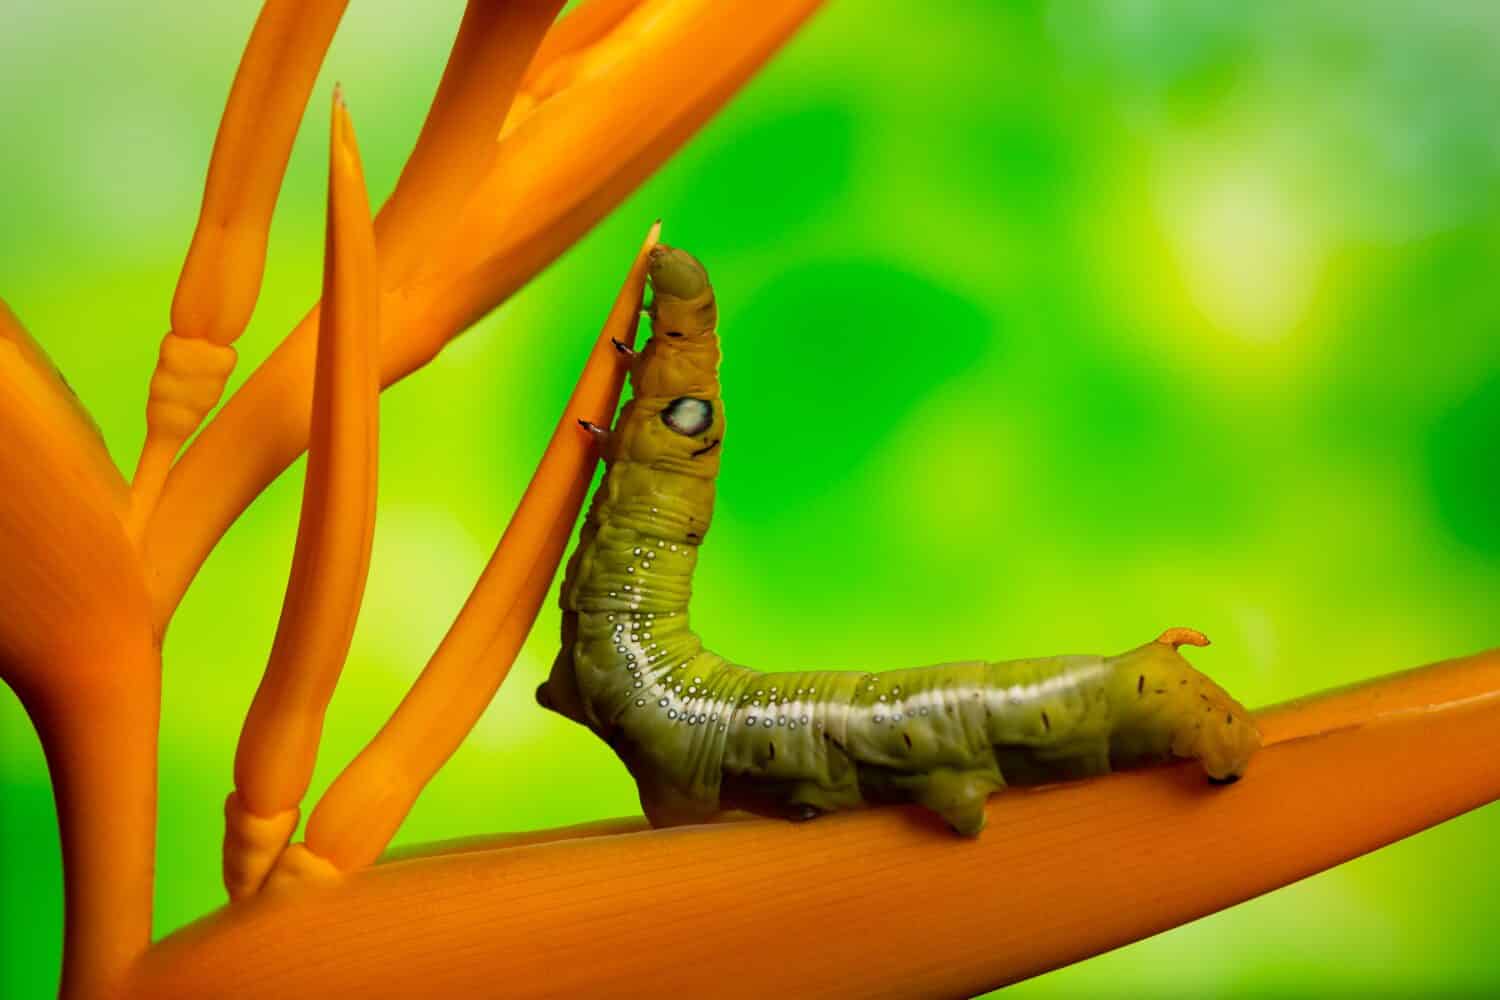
x: 495, y: 43
x: 279, y: 743
x: 1064, y: 873
x: 595, y: 148
x: 77, y: 649
x: 367, y: 803
x: 221, y: 277
x: 1394, y: 694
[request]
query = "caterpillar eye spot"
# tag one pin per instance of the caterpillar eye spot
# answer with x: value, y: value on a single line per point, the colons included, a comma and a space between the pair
x: 673, y: 333
x: 688, y: 416
x: 1226, y: 780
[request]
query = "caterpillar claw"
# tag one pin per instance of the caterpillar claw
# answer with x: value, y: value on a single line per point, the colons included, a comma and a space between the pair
x: 599, y: 434
x: 624, y: 350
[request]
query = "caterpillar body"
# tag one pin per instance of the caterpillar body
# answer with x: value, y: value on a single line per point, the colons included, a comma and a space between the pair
x: 700, y: 734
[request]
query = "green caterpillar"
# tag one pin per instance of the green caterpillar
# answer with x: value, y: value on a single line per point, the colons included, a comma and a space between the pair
x: 700, y: 734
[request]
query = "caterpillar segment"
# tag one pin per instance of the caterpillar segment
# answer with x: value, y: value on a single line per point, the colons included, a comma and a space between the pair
x: 701, y: 734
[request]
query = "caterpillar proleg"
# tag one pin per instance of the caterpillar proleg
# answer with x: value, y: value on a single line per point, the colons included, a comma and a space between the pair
x: 701, y: 734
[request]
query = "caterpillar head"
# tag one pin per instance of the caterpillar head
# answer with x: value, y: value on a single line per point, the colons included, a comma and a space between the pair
x: 682, y: 304
x: 682, y: 357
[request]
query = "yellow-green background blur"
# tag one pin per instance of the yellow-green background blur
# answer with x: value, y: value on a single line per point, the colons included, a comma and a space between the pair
x: 1047, y: 325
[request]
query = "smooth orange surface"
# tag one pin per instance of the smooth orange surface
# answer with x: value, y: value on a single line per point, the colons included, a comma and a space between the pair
x: 76, y: 647
x: 279, y: 743
x: 220, y: 279
x: 495, y: 43
x: 57, y: 411
x: 683, y: 64
x: 366, y: 804
x: 1416, y: 690
x: 1062, y: 873
x: 589, y: 39
x: 583, y: 156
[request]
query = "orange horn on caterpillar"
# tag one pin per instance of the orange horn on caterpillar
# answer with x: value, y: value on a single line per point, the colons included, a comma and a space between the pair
x: 1175, y: 637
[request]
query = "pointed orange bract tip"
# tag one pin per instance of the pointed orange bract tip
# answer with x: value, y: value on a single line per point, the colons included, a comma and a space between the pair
x: 279, y: 743
x: 362, y: 810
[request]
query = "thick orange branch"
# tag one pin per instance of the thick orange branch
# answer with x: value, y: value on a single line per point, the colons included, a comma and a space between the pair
x: 279, y: 743
x: 77, y: 648
x: 366, y: 804
x: 880, y: 903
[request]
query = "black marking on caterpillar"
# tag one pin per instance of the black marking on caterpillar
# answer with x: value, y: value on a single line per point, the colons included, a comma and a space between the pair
x: 700, y: 734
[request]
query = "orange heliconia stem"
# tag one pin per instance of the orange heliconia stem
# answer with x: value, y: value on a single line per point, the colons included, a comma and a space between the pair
x: 1416, y: 690
x: 1079, y: 869
x: 366, y: 804
x: 592, y: 151
x: 76, y: 647
x: 279, y: 743
x: 495, y: 43
x: 221, y: 277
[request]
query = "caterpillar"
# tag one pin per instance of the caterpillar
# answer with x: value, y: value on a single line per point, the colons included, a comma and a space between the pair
x: 700, y: 734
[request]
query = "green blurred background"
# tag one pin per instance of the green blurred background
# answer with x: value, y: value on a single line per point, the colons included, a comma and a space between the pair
x: 1048, y: 325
